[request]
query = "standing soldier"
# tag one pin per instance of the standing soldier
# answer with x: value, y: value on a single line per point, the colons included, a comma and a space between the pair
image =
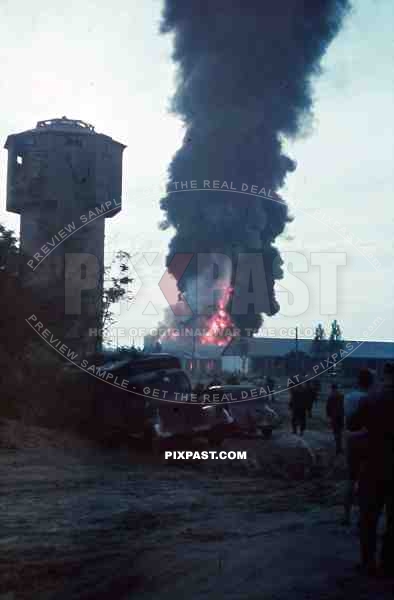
x: 297, y: 407
x: 310, y: 396
x: 336, y: 414
x: 375, y: 413
x: 356, y: 441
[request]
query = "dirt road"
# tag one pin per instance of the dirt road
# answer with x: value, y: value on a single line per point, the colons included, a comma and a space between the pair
x: 90, y: 524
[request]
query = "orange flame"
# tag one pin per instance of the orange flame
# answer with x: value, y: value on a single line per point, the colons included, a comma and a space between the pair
x: 220, y: 322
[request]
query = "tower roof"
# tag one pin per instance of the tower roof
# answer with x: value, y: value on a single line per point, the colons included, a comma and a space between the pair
x: 60, y: 125
x: 65, y: 124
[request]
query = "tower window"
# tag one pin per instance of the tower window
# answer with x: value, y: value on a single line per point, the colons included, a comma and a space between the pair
x: 19, y: 159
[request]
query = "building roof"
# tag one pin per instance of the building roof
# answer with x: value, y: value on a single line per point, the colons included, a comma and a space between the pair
x: 274, y: 348
x: 373, y: 349
x: 278, y: 347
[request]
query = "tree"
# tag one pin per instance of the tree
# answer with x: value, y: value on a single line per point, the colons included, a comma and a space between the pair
x: 8, y: 248
x: 319, y: 340
x: 336, y: 333
x: 32, y: 387
x: 117, y: 275
x: 335, y: 342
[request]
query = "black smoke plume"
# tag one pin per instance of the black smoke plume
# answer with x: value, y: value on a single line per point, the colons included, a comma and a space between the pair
x: 245, y: 70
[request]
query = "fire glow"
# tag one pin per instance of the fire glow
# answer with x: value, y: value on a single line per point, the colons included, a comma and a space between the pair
x: 220, y: 324
x: 218, y: 329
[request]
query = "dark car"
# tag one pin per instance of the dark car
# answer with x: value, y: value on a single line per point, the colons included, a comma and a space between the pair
x: 139, y: 415
x: 134, y: 413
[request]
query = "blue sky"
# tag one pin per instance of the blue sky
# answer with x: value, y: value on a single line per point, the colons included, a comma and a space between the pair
x: 107, y: 64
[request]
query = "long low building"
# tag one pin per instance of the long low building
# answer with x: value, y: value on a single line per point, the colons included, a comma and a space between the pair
x: 280, y: 356
x: 283, y: 356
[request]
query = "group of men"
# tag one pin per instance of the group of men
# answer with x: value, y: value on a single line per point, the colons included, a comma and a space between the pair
x: 366, y: 415
x: 365, y: 418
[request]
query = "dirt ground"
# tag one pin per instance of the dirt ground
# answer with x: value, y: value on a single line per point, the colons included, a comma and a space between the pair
x: 79, y: 522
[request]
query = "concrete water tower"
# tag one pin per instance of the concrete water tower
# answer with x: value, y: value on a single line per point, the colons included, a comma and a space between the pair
x: 63, y: 180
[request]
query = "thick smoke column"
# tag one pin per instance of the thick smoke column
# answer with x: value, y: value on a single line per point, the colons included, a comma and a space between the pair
x: 244, y: 82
